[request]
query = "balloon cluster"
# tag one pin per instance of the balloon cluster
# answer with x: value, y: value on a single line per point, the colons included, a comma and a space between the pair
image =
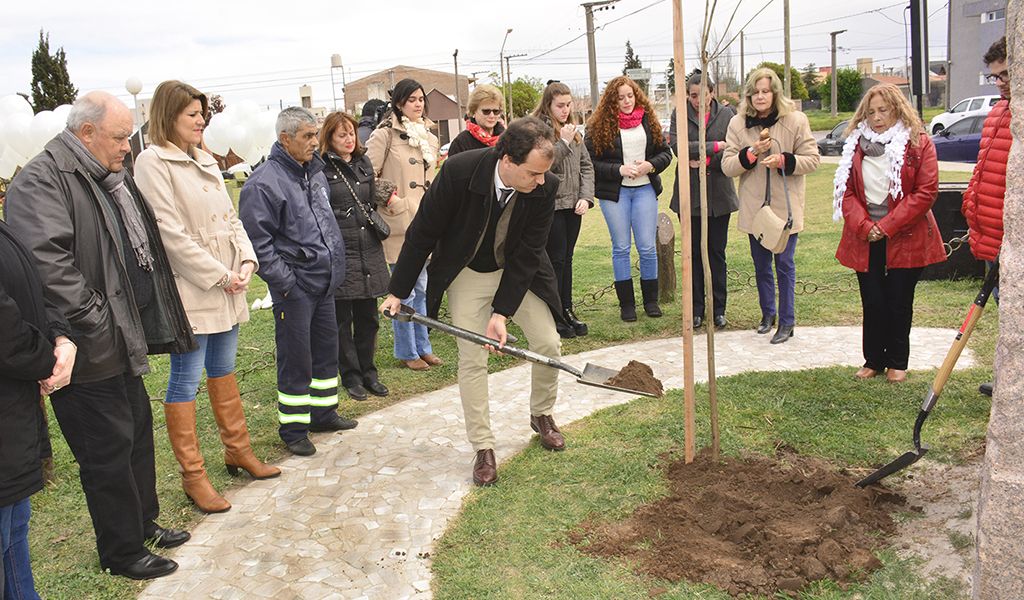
x: 22, y: 134
x: 243, y: 128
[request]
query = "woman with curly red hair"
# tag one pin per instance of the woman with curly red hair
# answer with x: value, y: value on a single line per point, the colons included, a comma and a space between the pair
x: 625, y: 142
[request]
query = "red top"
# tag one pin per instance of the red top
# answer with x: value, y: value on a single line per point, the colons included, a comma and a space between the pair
x: 983, y: 200
x: 913, y: 238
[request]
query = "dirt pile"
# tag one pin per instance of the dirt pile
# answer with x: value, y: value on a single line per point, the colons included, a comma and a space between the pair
x: 751, y: 526
x: 637, y: 376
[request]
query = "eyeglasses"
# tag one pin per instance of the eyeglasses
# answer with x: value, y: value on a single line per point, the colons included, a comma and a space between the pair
x: 491, y: 111
x: 994, y: 77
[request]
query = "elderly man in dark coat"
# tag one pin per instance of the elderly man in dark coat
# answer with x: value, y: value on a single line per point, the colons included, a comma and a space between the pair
x: 97, y: 248
x: 485, y: 220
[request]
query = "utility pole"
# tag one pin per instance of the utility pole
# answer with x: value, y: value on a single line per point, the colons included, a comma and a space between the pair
x: 501, y: 67
x: 458, y: 93
x: 788, y: 84
x: 508, y: 73
x: 834, y: 75
x: 743, y: 71
x: 591, y: 50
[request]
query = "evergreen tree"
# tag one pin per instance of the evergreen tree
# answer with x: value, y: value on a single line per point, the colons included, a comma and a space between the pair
x: 633, y: 62
x: 810, y: 77
x: 51, y: 84
x: 670, y: 75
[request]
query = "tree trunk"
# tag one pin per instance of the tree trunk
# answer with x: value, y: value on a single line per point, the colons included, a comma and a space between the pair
x: 666, y: 246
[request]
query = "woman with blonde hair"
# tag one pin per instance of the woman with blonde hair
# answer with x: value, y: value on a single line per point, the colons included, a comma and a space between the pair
x: 213, y: 263
x: 625, y: 143
x: 575, y: 197
x: 769, y: 142
x: 884, y: 189
x: 404, y: 152
x: 484, y: 125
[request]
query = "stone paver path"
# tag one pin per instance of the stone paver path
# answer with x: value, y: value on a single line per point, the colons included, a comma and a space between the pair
x: 360, y: 518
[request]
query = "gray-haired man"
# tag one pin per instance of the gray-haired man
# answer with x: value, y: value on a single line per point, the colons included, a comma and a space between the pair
x: 285, y: 207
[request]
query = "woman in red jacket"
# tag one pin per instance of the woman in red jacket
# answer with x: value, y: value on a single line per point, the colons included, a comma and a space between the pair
x: 885, y: 185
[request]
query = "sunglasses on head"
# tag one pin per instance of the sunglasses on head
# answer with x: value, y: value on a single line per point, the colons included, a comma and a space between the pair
x: 491, y: 111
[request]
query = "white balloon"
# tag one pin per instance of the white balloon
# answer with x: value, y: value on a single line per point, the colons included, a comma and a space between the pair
x: 213, y: 138
x: 10, y: 160
x: 18, y: 133
x: 267, y: 127
x: 13, y: 104
x: 62, y: 113
x: 237, y: 138
x: 45, y: 125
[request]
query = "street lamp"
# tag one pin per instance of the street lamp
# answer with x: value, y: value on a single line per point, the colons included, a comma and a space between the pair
x: 835, y: 85
x: 501, y: 66
x: 134, y: 85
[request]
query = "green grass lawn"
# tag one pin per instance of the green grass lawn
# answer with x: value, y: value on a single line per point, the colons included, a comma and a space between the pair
x: 62, y: 543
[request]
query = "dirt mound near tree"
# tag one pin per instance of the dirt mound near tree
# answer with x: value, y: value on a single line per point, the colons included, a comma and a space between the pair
x: 751, y: 526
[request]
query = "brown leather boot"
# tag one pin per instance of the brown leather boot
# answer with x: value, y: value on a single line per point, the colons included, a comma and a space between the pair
x: 181, y: 429
x: 227, y: 409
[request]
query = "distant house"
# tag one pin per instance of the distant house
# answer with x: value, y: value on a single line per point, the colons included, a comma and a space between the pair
x: 443, y: 111
x: 977, y: 25
x: 377, y: 85
x: 937, y: 85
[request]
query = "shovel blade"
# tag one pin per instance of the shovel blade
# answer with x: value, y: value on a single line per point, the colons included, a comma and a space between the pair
x: 904, y: 461
x: 597, y: 376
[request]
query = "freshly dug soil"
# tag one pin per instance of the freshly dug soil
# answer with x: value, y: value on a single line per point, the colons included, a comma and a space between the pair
x: 755, y: 525
x: 637, y: 376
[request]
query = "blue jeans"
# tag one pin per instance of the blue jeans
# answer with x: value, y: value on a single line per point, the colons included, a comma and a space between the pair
x: 216, y: 352
x: 411, y: 340
x: 636, y: 211
x: 785, y: 268
x: 15, y: 568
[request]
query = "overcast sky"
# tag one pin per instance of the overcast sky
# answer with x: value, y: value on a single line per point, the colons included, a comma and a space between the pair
x: 264, y: 51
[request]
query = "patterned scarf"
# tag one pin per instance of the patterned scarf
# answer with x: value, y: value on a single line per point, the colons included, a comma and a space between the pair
x: 632, y: 119
x: 894, y: 140
x: 488, y: 139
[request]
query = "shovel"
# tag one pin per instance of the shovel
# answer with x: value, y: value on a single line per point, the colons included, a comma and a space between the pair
x: 909, y: 458
x: 590, y: 375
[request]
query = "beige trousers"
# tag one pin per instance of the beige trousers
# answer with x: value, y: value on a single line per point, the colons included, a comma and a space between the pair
x: 469, y: 301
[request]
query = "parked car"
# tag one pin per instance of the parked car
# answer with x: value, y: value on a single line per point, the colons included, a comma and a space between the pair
x: 832, y: 143
x: 968, y: 107
x: 960, y: 141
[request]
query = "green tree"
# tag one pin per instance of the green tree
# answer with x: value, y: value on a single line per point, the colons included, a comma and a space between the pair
x: 848, y: 89
x: 51, y: 84
x: 633, y: 62
x: 810, y: 78
x: 670, y: 75
x: 799, y: 91
x: 525, y: 95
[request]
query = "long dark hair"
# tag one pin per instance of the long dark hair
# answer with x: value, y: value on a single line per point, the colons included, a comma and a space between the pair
x: 404, y: 89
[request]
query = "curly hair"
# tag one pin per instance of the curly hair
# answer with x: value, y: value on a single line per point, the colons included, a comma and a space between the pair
x: 603, y: 125
x: 897, y: 103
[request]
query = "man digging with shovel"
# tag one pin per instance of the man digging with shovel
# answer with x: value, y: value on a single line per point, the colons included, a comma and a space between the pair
x: 484, y: 222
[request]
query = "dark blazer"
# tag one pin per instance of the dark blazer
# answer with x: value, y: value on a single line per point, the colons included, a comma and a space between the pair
x: 451, y: 222
x: 608, y: 180
x: 722, y: 198
x: 366, y: 270
x: 29, y: 326
x: 56, y: 210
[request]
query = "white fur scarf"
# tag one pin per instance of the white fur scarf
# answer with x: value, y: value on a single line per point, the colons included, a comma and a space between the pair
x: 419, y: 137
x: 895, y: 141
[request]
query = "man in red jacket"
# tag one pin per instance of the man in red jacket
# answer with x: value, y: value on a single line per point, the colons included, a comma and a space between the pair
x: 983, y: 200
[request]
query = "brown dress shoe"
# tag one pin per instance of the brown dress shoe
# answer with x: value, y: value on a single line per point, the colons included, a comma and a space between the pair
x: 485, y: 469
x: 432, y: 360
x: 867, y: 373
x: 896, y: 376
x: 550, y: 436
x: 416, y: 364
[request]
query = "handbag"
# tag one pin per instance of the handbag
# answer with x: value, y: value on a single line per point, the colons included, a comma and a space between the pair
x: 377, y: 222
x: 768, y: 228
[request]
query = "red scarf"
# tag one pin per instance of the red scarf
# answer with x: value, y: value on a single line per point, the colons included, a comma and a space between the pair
x: 632, y: 119
x: 482, y: 136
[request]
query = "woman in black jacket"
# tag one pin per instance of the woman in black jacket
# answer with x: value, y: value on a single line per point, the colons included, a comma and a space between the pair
x: 625, y: 142
x: 484, y: 126
x: 36, y: 357
x: 722, y: 201
x: 350, y: 175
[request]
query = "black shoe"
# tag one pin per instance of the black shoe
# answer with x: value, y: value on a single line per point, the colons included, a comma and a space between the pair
x: 986, y: 389
x: 783, y: 334
x: 149, y: 566
x: 698, y: 322
x: 356, y: 392
x: 166, y: 538
x: 766, y: 324
x: 566, y: 332
x: 719, y: 321
x: 649, y: 291
x: 338, y: 423
x: 627, y: 301
x: 302, y: 447
x: 376, y: 388
x: 578, y: 326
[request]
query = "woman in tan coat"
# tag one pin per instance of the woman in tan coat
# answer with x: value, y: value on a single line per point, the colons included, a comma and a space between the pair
x: 788, y: 153
x: 213, y: 262
x: 404, y: 152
